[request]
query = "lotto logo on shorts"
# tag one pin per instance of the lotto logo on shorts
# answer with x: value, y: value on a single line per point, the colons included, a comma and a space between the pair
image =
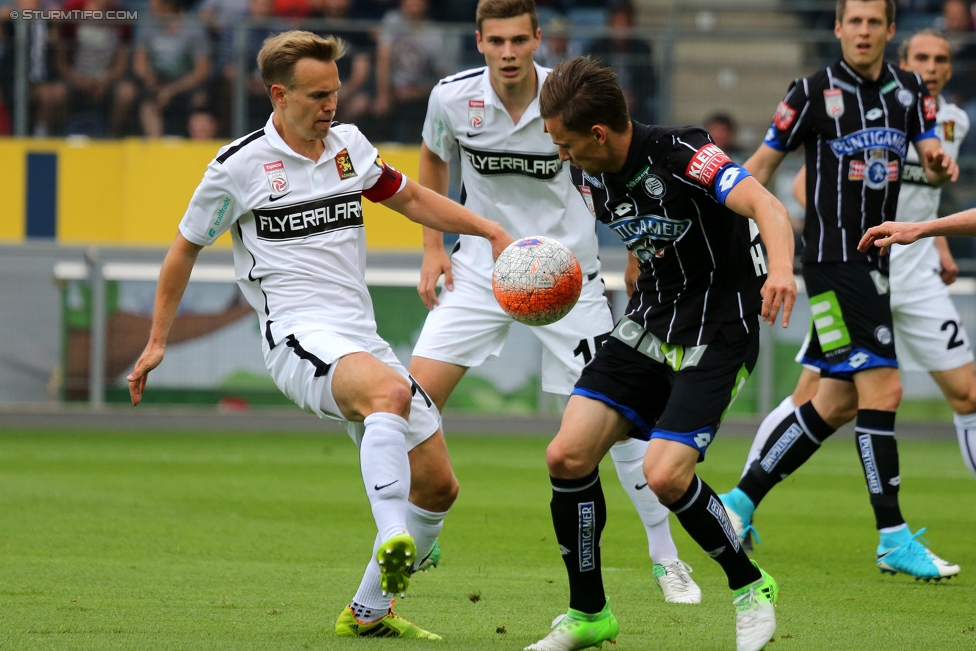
x: 715, y: 508
x: 587, y: 535
x: 706, y: 163
x: 782, y: 445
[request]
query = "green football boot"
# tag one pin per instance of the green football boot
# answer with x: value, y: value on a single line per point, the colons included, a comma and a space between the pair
x: 576, y: 630
x: 755, y: 614
x: 431, y: 560
x: 396, y: 556
x: 392, y: 625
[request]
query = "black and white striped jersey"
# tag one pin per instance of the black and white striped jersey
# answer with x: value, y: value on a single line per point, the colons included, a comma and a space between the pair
x: 701, y: 264
x: 856, y: 134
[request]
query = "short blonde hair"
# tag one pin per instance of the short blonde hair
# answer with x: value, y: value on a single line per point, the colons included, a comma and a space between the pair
x: 279, y: 54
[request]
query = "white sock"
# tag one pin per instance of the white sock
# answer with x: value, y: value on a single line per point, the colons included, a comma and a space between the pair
x: 628, y: 459
x: 424, y: 526
x: 774, y: 418
x: 966, y: 431
x: 369, y: 604
x: 386, y: 471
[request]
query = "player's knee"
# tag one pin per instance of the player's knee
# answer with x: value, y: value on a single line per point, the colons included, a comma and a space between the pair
x: 964, y: 402
x: 564, y: 463
x: 393, y: 396
x: 667, y: 482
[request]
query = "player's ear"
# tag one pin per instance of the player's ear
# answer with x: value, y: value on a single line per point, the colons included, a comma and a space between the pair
x: 278, y: 95
x: 599, y: 133
x: 837, y: 28
x: 538, y: 38
x: 891, y: 32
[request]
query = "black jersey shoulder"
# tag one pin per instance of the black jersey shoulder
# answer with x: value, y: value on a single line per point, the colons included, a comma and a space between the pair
x: 908, y: 79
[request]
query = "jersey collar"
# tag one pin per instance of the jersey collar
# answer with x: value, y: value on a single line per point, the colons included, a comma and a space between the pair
x: 334, y: 143
x: 636, y: 156
x: 491, y: 97
x: 846, y: 70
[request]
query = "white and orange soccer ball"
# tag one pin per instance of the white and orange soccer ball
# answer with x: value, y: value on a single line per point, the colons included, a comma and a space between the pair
x: 537, y: 280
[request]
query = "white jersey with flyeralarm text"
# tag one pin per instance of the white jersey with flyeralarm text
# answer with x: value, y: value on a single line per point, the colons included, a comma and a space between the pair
x: 297, y: 226
x: 503, y: 163
x: 917, y: 265
x: 300, y: 257
x: 510, y: 173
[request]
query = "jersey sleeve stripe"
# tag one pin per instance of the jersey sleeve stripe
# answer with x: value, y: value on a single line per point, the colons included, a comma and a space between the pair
x: 236, y: 148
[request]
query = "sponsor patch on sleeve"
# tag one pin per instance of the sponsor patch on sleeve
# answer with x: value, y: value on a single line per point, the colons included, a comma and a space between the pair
x: 587, y: 195
x: 706, y: 163
x: 929, y: 107
x: 784, y: 116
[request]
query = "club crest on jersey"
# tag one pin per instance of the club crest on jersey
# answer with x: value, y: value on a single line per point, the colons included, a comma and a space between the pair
x: 949, y: 131
x: 344, y: 165
x: 276, y: 176
x: 834, y: 102
x: 784, y: 116
x: 706, y: 162
x: 876, y: 172
x: 587, y: 195
x: 904, y: 97
x: 476, y: 113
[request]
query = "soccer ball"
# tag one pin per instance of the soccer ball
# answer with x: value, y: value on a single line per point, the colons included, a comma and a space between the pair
x: 537, y: 280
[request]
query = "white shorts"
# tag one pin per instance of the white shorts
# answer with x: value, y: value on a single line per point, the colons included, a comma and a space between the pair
x: 302, y: 365
x: 468, y: 327
x: 929, y: 335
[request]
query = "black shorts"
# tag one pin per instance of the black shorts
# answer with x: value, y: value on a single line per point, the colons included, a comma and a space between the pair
x: 851, y: 328
x: 685, y: 405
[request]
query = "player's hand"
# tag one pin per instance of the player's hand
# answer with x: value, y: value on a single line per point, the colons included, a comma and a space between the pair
x: 631, y: 274
x: 436, y: 262
x: 942, y: 164
x: 779, y: 290
x: 888, y: 233
x: 949, y: 269
x: 499, y: 241
x: 150, y: 359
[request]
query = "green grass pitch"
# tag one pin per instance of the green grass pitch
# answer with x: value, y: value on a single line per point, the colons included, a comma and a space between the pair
x: 217, y: 541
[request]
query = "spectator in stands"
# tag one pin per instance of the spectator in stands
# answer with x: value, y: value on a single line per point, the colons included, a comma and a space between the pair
x: 258, y: 104
x: 355, y: 68
x: 93, y: 59
x: 172, y: 62
x: 202, y: 125
x: 555, y: 43
x: 631, y: 60
x: 373, y: 9
x: 46, y: 96
x: 413, y: 54
x: 724, y: 132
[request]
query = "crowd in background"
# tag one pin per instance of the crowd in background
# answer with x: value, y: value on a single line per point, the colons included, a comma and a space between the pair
x: 172, y: 71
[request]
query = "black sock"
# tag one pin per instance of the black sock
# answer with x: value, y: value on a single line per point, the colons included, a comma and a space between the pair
x: 875, y: 432
x: 579, y: 514
x: 702, y: 515
x: 793, y: 441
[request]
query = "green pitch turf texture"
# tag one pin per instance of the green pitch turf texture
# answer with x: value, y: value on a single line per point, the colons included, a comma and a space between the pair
x: 217, y: 541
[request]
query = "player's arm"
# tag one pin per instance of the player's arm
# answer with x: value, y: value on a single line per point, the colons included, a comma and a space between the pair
x: 764, y: 162
x: 427, y: 208
x: 173, y: 278
x: 435, y: 174
x: 948, y: 269
x: 940, y: 168
x: 750, y: 199
x: 888, y: 233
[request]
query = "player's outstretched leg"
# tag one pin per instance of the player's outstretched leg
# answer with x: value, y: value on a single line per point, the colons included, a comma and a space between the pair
x: 671, y: 573
x: 794, y: 440
x: 966, y: 432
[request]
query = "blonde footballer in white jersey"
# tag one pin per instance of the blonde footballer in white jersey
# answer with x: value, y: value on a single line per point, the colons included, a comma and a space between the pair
x: 928, y: 329
x: 511, y: 173
x: 291, y: 195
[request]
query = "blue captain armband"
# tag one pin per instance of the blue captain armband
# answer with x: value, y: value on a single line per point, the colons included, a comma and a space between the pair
x: 727, y: 178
